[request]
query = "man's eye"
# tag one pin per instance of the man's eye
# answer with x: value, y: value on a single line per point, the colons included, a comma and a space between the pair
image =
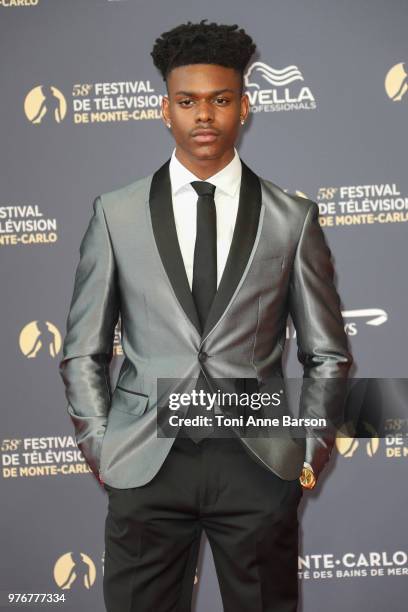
x: 221, y: 100
x: 184, y: 101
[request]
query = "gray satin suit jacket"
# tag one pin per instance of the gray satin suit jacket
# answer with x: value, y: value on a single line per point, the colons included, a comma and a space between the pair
x: 131, y: 266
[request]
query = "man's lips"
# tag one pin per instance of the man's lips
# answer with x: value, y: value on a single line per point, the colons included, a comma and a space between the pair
x: 205, y: 135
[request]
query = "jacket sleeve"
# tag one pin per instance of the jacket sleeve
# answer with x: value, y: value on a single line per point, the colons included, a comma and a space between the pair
x: 88, y: 343
x: 323, y: 348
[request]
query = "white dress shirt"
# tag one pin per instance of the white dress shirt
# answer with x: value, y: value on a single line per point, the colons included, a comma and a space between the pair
x: 227, y: 183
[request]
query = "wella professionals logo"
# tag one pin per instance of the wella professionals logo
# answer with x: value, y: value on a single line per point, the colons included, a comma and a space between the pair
x: 45, y: 104
x: 271, y: 89
x: 396, y: 82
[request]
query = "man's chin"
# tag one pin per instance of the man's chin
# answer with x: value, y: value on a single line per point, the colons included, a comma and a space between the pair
x: 207, y: 151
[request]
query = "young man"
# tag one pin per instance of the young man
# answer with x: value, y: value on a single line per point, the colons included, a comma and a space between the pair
x: 204, y: 261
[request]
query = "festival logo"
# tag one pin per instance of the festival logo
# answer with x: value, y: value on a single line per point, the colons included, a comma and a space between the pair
x: 19, y: 3
x: 74, y: 571
x: 45, y: 104
x: 105, y: 102
x: 353, y: 564
x: 347, y: 446
x: 25, y: 224
x: 361, y: 205
x: 40, y: 337
x: 396, y: 82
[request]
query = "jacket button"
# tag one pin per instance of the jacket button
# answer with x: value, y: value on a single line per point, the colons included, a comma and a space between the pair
x: 202, y: 356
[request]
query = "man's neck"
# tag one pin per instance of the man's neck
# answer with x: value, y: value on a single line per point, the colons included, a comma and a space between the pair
x: 204, y: 168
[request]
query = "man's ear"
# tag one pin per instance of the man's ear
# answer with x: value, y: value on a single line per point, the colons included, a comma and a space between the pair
x: 245, y: 106
x: 164, y: 109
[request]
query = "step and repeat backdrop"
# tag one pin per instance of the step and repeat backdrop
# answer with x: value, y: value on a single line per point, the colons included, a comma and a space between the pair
x: 80, y: 116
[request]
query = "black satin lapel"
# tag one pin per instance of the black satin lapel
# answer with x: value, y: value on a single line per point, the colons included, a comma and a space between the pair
x: 246, y: 227
x: 165, y: 234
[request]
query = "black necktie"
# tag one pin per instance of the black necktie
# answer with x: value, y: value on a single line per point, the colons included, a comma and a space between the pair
x: 204, y: 286
x: 205, y: 252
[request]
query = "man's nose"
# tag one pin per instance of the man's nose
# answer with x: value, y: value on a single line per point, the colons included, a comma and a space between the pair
x: 204, y: 112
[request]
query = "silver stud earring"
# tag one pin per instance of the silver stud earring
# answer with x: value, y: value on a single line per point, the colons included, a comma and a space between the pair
x: 168, y: 125
x: 242, y: 121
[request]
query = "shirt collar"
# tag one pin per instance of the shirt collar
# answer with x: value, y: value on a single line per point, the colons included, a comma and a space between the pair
x: 227, y: 179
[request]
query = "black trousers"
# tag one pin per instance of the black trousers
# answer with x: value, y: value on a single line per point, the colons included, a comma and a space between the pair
x: 249, y: 514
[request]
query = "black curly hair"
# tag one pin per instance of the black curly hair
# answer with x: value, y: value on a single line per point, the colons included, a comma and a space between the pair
x: 202, y: 43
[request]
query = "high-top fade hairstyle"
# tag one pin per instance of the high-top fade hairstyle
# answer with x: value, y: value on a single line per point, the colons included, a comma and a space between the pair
x: 202, y: 43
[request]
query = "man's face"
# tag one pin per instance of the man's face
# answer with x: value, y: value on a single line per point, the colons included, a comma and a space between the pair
x: 204, y: 97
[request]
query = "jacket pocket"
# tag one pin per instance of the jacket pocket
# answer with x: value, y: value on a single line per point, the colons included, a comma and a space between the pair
x: 131, y: 402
